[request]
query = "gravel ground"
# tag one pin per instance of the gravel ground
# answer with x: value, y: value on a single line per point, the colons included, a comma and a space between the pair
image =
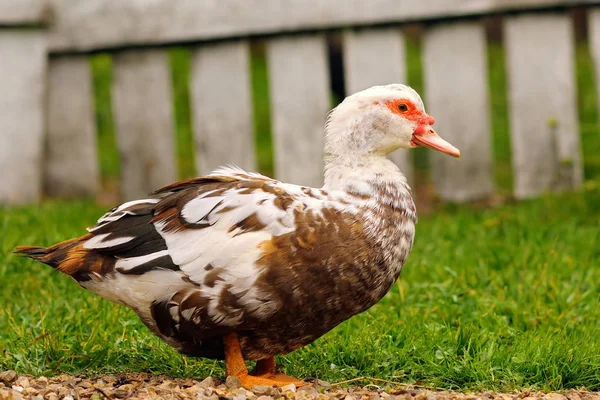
x: 144, y: 386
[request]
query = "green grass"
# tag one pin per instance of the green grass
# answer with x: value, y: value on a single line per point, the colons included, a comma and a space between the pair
x: 414, y: 78
x: 588, y: 111
x: 109, y: 155
x: 490, y: 299
x: 499, y: 119
x: 184, y: 142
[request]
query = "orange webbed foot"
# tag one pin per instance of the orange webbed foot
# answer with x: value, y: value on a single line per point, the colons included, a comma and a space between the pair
x: 265, y: 373
x: 279, y: 380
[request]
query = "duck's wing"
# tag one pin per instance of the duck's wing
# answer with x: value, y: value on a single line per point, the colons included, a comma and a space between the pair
x: 193, y: 251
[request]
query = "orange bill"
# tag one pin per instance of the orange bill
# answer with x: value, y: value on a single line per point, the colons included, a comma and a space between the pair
x: 433, y: 141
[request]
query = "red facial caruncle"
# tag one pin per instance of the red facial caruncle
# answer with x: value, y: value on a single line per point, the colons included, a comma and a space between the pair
x: 423, y: 133
x: 406, y: 108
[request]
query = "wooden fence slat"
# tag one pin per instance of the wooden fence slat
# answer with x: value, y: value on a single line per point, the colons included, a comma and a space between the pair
x: 455, y: 67
x: 299, y: 91
x: 386, y: 46
x: 71, y: 154
x: 22, y: 87
x: 222, y: 106
x: 100, y: 24
x: 25, y: 12
x: 144, y: 121
x: 543, y: 103
x: 594, y: 44
x: 362, y: 48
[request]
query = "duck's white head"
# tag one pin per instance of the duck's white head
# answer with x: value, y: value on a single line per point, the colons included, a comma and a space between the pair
x: 379, y: 120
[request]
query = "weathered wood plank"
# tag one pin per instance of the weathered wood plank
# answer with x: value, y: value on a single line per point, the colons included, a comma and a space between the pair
x: 25, y: 12
x: 144, y: 121
x: 22, y: 87
x: 299, y: 91
x: 71, y: 152
x: 386, y: 46
x: 222, y: 107
x: 594, y: 43
x: 455, y: 66
x: 93, y: 24
x: 542, y: 103
x: 361, y: 48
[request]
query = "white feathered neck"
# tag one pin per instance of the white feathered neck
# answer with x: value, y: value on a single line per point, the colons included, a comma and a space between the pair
x: 357, y: 142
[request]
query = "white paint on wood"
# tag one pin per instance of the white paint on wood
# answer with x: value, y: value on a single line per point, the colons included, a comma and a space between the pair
x: 456, y: 89
x: 22, y: 86
x: 71, y: 161
x: 222, y: 106
x: 144, y: 121
x: 543, y: 103
x: 94, y: 24
x: 299, y: 91
x: 25, y: 12
x: 377, y: 57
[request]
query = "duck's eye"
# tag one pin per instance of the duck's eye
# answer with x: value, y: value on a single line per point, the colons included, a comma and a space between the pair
x: 403, y: 107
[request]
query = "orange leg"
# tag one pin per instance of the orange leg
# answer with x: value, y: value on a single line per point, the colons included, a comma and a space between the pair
x: 264, y: 367
x: 264, y: 373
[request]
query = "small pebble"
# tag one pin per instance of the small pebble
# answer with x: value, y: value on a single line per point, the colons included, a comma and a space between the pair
x: 166, y: 385
x: 16, y: 396
x: 289, y: 388
x: 207, y: 382
x: 260, y: 389
x: 308, y: 390
x: 23, y: 381
x: 8, y: 376
x: 322, y: 384
x: 233, y: 382
x: 554, y: 396
x: 30, y: 391
x: 121, y: 393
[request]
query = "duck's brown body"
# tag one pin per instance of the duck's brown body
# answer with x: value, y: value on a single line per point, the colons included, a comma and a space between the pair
x: 314, y: 259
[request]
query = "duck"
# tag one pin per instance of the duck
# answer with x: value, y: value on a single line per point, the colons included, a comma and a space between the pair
x: 238, y: 266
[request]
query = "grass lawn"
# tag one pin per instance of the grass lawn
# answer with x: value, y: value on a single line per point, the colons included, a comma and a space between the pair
x: 490, y: 299
x: 499, y: 299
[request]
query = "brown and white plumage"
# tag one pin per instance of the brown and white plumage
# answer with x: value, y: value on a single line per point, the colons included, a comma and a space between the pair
x: 275, y: 264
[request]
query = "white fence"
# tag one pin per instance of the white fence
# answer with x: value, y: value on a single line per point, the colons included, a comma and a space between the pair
x: 47, y: 126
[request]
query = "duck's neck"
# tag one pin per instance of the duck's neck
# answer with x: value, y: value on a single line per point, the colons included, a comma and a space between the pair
x: 353, y: 163
x: 361, y: 173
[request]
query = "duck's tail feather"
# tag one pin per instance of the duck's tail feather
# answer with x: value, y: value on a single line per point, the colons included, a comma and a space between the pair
x: 34, y: 252
x: 67, y: 257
